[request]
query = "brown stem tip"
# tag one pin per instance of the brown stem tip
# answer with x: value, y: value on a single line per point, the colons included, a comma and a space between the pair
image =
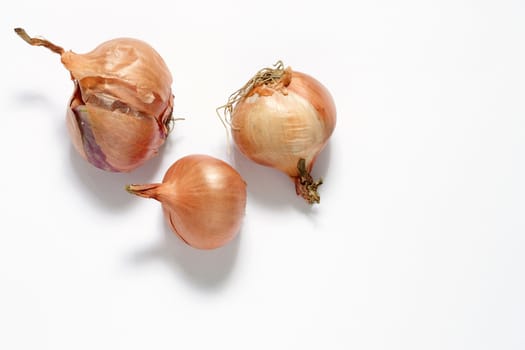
x: 305, y: 186
x: 146, y: 191
x: 38, y: 41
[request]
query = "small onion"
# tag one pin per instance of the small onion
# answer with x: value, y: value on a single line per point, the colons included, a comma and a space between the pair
x: 121, y: 109
x: 283, y: 119
x: 203, y: 199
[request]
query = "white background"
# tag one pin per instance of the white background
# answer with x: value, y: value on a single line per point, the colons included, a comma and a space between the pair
x: 418, y: 242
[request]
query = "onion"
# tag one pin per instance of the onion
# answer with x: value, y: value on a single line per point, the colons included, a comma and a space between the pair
x: 203, y: 199
x: 121, y: 109
x: 283, y: 119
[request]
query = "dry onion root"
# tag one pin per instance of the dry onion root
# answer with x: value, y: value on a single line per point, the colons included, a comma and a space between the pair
x: 203, y: 199
x: 121, y: 109
x: 283, y: 119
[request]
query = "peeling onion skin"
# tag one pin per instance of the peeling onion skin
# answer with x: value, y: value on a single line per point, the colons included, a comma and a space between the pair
x: 122, y: 102
x: 278, y: 125
x: 203, y: 200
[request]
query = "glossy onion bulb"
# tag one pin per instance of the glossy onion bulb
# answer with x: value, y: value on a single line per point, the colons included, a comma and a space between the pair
x: 203, y: 199
x: 283, y: 119
x: 120, y: 111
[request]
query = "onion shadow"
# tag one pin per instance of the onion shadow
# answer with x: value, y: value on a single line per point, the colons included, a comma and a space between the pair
x: 106, y: 188
x: 25, y: 98
x: 208, y: 270
x: 274, y: 189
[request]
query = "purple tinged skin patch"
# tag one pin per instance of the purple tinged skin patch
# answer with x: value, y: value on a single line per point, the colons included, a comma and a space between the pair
x: 93, y: 152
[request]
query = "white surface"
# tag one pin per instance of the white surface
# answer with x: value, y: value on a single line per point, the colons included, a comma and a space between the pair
x: 417, y: 244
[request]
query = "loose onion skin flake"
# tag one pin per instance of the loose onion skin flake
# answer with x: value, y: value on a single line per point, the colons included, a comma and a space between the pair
x: 121, y: 108
x: 203, y: 199
x: 283, y: 119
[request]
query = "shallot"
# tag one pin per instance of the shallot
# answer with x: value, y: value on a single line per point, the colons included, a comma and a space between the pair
x: 203, y: 199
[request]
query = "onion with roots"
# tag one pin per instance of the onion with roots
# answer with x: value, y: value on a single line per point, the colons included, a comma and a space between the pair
x: 283, y: 119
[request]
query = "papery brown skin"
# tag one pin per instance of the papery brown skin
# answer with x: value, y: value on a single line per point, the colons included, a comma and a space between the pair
x: 278, y: 125
x: 118, y: 114
x: 203, y: 200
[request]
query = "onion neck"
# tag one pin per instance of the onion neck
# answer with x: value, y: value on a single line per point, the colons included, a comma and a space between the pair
x: 146, y: 191
x: 305, y: 185
x: 38, y: 41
